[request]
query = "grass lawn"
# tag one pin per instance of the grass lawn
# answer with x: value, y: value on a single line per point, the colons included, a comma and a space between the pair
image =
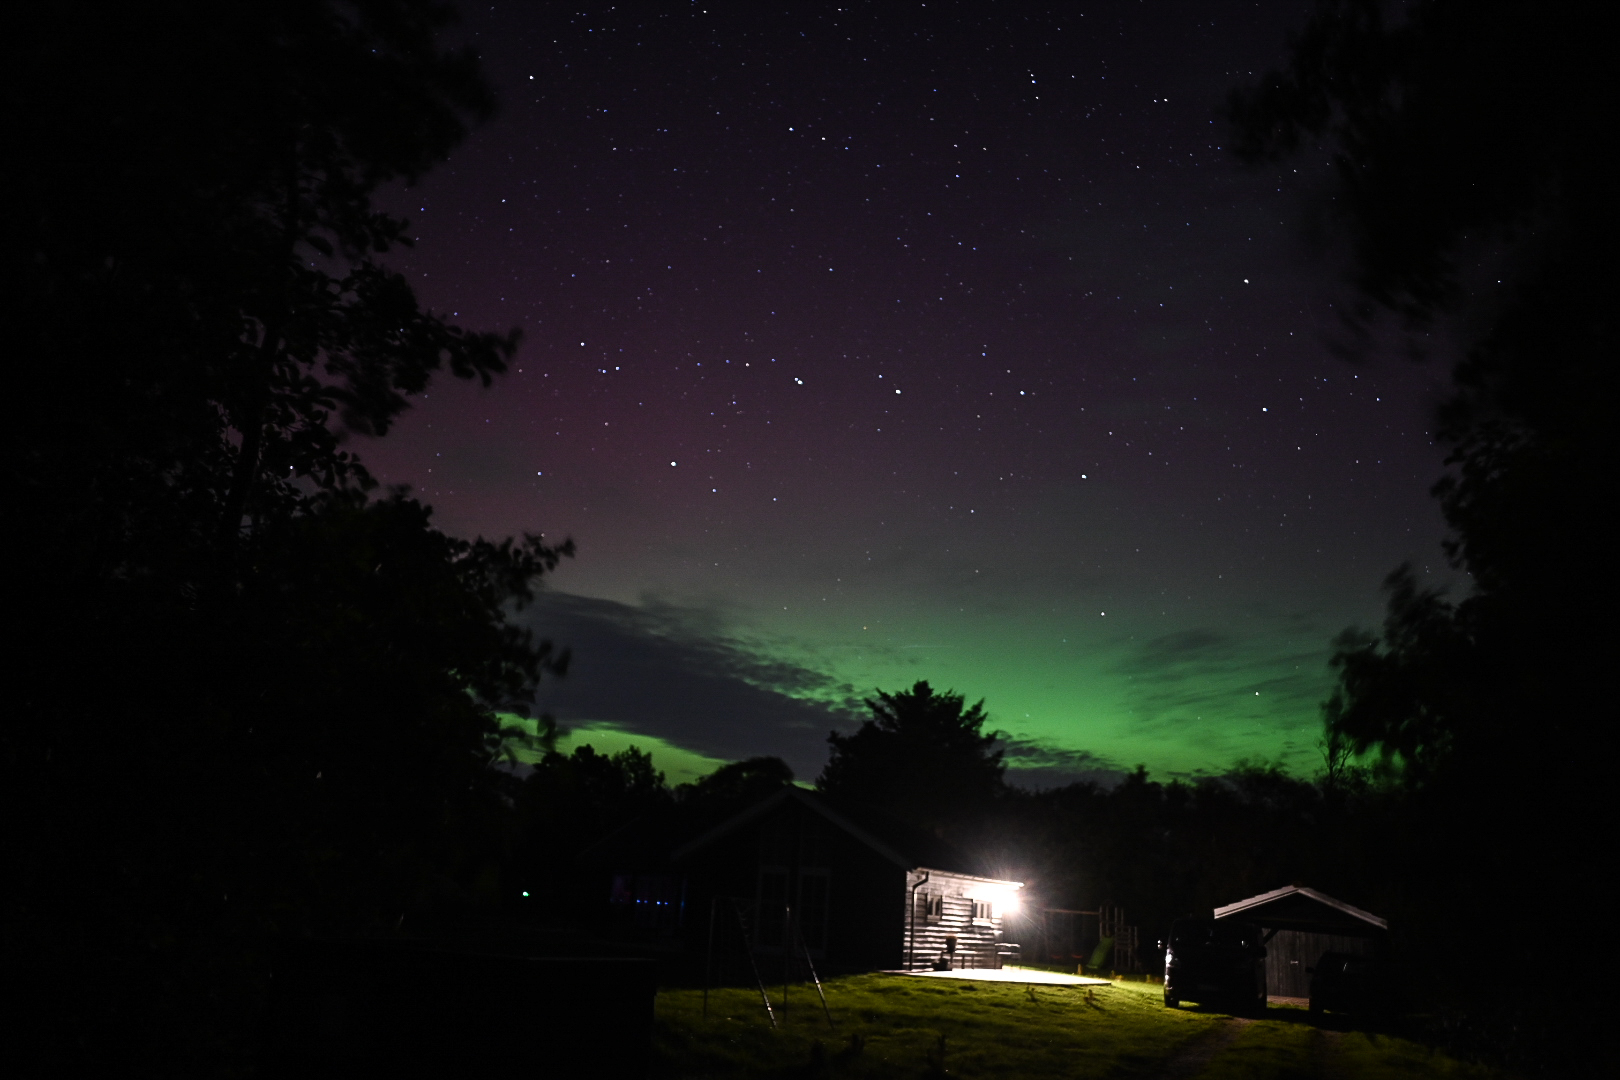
x: 1289, y: 1044
x: 894, y: 1026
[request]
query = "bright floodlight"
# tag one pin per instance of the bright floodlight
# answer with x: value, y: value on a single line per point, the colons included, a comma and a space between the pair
x: 1002, y: 897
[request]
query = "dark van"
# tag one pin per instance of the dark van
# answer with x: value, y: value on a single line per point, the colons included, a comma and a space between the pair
x: 1218, y: 962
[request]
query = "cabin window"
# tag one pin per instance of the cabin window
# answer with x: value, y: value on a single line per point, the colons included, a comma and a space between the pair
x: 981, y: 911
x: 933, y: 906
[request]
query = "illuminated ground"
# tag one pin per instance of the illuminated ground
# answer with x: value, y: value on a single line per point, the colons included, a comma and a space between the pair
x: 1031, y: 976
x: 897, y: 1026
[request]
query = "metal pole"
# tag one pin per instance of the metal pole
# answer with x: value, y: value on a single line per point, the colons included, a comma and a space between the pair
x: 790, y: 894
x: 708, y: 958
x: 811, y: 964
x: 787, y: 953
x: 911, y: 925
x: 763, y: 996
x: 911, y: 928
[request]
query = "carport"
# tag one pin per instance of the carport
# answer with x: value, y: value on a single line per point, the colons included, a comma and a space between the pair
x: 1301, y: 924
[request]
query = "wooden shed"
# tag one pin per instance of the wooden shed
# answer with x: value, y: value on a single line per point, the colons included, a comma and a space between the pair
x: 1300, y: 925
x: 795, y: 874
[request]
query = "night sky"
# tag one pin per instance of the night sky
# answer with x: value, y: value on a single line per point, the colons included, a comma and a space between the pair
x: 873, y: 344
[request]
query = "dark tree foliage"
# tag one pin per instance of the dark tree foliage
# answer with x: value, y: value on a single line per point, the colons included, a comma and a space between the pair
x: 193, y: 253
x: 248, y: 698
x: 1473, y: 142
x: 570, y: 801
x: 734, y: 787
x: 1412, y: 693
x: 567, y: 804
x: 923, y: 757
x: 1163, y: 850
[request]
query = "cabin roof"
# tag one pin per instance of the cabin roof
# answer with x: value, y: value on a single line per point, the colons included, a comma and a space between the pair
x: 896, y: 843
x: 767, y: 805
x: 1296, y: 907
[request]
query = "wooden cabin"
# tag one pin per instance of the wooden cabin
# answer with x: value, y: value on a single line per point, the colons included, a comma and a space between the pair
x: 1300, y: 925
x: 796, y: 876
x: 957, y: 920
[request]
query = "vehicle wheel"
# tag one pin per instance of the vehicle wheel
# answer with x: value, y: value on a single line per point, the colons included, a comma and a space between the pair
x: 1172, y: 1002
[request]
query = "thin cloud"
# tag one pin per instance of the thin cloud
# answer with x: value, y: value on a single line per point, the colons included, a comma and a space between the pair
x: 1037, y: 765
x: 1172, y: 678
x: 673, y: 672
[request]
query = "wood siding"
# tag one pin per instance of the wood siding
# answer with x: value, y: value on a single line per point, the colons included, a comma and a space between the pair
x: 789, y: 881
x: 953, y: 897
x: 1290, y: 953
x: 856, y: 903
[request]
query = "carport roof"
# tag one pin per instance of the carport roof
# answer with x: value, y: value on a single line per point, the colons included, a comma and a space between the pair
x: 1298, y: 908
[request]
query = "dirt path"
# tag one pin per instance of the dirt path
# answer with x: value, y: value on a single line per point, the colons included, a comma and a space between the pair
x: 1190, y: 1060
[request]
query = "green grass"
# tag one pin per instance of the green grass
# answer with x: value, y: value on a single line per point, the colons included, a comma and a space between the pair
x: 1366, y: 1054
x: 1269, y: 1050
x: 1288, y: 1044
x: 891, y: 1025
x: 894, y: 1026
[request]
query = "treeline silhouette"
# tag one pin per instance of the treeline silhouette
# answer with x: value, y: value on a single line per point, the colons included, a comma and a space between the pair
x: 249, y: 695
x: 1158, y: 849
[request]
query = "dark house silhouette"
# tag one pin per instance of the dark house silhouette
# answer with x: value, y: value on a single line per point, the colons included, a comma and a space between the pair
x: 1300, y: 925
x: 796, y: 875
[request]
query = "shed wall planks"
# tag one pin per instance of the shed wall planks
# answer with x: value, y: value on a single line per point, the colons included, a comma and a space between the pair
x: 1291, y: 953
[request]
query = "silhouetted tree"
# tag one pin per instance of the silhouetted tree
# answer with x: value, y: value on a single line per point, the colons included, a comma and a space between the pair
x: 923, y: 757
x: 194, y: 247
x: 734, y: 787
x: 570, y: 801
x: 1473, y: 143
x: 1162, y: 850
x: 247, y: 696
x: 1474, y: 138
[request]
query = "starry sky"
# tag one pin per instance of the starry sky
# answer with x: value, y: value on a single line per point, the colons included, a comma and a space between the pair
x: 887, y: 342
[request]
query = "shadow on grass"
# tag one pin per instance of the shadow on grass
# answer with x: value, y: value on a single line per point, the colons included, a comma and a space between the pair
x: 1399, y: 1027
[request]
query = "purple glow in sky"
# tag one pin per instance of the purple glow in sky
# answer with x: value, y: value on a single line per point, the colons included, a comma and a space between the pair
x: 894, y: 342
